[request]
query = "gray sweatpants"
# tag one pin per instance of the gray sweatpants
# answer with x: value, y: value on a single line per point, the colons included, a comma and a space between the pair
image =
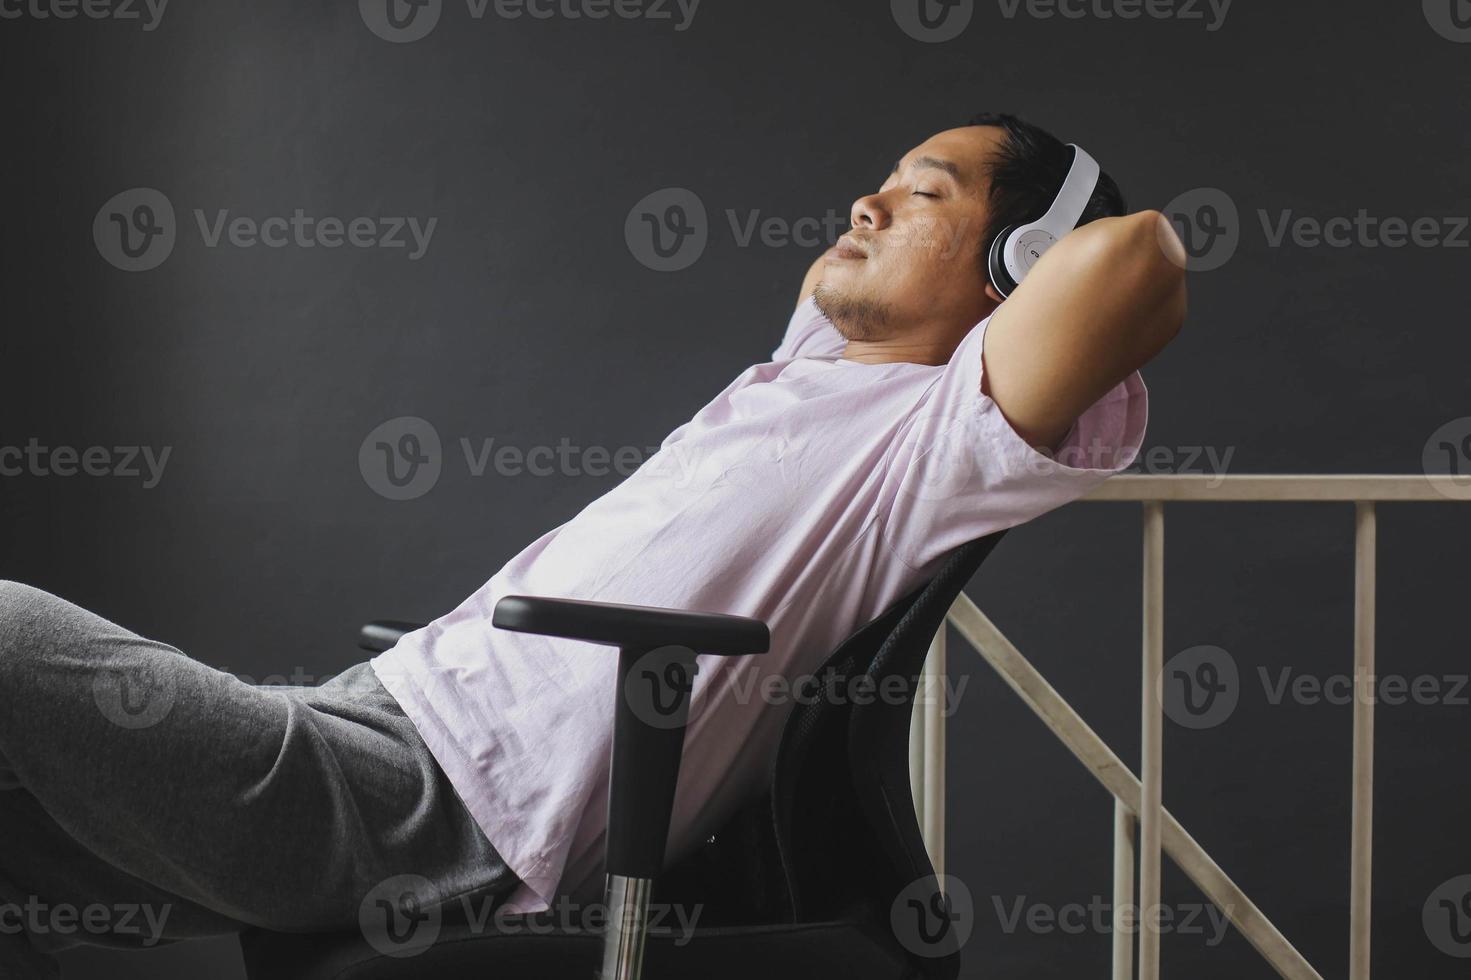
x: 146, y: 797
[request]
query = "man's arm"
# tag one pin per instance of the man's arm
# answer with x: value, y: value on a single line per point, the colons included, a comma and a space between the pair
x: 1097, y: 306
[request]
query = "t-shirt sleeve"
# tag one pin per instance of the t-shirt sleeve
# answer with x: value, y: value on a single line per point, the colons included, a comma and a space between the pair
x: 809, y: 334
x: 960, y: 471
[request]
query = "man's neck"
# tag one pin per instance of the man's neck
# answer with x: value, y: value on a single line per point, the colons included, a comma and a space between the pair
x: 930, y: 341
x: 908, y: 350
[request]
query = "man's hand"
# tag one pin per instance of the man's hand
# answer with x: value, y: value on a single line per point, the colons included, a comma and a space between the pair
x: 1096, y: 307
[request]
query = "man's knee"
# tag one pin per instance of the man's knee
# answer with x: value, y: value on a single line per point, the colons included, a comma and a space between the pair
x: 34, y: 625
x: 21, y: 611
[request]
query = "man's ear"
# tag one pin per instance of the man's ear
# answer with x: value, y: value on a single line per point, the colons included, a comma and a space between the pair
x: 992, y: 294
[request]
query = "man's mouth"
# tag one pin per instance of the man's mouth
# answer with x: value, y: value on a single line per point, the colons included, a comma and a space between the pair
x: 846, y: 248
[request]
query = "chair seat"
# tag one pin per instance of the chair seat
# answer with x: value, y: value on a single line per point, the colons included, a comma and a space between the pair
x: 465, y: 952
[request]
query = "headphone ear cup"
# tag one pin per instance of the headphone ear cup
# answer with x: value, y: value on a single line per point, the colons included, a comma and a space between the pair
x: 996, y: 264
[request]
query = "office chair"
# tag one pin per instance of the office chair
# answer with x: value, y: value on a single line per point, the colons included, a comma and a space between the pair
x: 824, y: 875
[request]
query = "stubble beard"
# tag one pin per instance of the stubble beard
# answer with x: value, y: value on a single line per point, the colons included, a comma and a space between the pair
x: 855, y: 317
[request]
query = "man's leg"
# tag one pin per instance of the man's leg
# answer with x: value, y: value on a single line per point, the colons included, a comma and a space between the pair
x: 132, y: 775
x: 85, y: 898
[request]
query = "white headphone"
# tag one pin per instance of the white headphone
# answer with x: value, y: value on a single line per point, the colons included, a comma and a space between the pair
x: 1018, y: 247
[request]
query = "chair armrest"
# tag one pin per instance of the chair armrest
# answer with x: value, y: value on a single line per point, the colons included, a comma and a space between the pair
x: 384, y: 634
x: 645, y: 627
x: 656, y: 673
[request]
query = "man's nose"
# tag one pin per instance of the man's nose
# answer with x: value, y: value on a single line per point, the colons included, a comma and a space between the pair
x: 869, y: 212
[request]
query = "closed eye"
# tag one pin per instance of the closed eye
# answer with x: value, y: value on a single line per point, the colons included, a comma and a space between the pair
x: 925, y: 194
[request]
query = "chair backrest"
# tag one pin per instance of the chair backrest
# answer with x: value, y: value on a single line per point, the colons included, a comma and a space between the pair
x: 878, y: 757
x: 837, y: 837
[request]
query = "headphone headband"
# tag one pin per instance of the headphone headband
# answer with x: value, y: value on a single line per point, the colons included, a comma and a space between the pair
x: 1018, y: 248
x: 1072, y: 198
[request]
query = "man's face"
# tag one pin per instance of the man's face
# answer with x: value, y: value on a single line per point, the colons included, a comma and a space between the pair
x: 913, y: 257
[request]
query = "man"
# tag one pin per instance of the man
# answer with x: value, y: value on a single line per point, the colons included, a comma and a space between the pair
x: 906, y: 411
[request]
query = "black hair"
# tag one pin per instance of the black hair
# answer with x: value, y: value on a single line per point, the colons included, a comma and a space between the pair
x: 1027, y: 172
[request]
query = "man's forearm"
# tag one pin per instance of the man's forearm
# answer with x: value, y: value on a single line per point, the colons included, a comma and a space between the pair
x: 1097, y: 307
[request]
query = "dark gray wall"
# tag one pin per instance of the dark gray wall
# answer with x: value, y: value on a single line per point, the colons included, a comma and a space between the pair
x: 529, y: 320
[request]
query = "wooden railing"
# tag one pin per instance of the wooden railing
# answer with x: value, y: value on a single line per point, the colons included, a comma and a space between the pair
x: 1138, y: 801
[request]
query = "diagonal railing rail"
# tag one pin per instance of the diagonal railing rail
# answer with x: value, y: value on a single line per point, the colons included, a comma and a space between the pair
x: 1138, y: 801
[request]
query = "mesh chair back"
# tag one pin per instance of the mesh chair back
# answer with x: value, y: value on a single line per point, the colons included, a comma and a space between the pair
x: 837, y: 837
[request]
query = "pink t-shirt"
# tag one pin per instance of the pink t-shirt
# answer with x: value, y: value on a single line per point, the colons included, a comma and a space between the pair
x: 811, y: 493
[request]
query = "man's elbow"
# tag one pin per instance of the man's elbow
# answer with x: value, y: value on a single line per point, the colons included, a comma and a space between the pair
x: 1156, y: 259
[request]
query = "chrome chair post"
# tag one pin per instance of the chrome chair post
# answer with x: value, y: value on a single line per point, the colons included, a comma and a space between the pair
x: 628, y: 923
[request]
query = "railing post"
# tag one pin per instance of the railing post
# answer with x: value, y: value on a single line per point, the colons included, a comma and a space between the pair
x: 932, y: 685
x: 916, y: 762
x: 1123, y: 891
x: 1365, y: 694
x: 927, y: 751
x: 1151, y: 803
x: 1109, y: 769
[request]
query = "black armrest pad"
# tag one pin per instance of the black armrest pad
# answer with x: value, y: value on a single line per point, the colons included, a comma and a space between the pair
x: 632, y: 626
x: 384, y: 634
